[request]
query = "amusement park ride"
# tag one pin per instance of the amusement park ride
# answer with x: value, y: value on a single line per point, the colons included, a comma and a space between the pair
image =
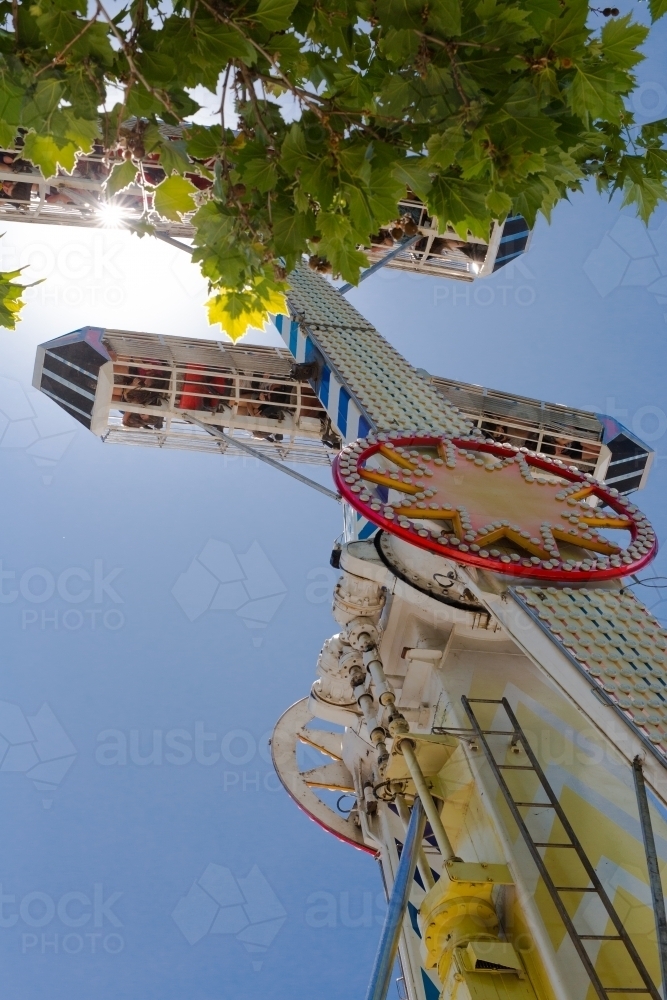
x: 495, y: 700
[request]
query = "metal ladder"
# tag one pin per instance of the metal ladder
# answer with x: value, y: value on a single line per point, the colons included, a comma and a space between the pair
x: 555, y: 891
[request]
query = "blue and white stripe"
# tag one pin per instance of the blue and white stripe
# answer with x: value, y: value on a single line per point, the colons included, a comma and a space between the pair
x: 345, y: 414
x: 346, y: 417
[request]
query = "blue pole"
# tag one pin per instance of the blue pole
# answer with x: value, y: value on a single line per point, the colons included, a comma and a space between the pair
x: 388, y: 946
x: 405, y: 245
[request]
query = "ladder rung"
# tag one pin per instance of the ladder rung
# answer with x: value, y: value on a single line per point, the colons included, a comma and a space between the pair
x: 539, y: 843
x: 517, y: 736
x: 484, y: 732
x: 600, y: 937
x: 497, y: 732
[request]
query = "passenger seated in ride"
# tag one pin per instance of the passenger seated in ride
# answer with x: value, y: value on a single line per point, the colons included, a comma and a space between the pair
x: 148, y: 421
x: 146, y: 386
x: 249, y: 405
x: 95, y: 170
x: 495, y: 431
x: 269, y: 396
x: 573, y: 450
x: 17, y: 192
x: 216, y: 388
x: 56, y: 197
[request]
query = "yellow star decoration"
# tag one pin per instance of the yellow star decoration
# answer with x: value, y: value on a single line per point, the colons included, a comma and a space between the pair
x: 484, y: 499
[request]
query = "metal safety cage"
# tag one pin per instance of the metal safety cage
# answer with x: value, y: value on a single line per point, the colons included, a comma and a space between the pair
x: 592, y: 442
x: 442, y: 253
x: 79, y: 198
x: 144, y: 389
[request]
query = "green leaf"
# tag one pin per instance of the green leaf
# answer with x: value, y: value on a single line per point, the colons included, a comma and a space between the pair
x: 654, y: 131
x: 657, y: 8
x: 294, y: 150
x: 596, y: 93
x: 646, y: 194
x: 259, y: 174
x: 45, y: 153
x: 396, y: 94
x: 275, y: 14
x: 499, y: 203
x: 566, y: 35
x: 217, y: 44
x: 43, y: 104
x: 158, y: 69
x: 541, y: 11
x: 399, y: 13
x: 213, y: 225
x: 203, y: 143
x: 338, y: 246
x: 11, y: 297
x: 445, y: 16
x: 400, y: 45
x: 174, y: 198
x: 384, y: 192
x: 656, y: 162
x: 7, y: 135
x: 83, y: 133
x: 11, y: 102
x: 461, y: 204
x: 536, y: 133
x: 356, y: 161
x: 58, y: 28
x: 362, y: 217
x: 443, y: 147
x: 317, y: 180
x: 174, y: 156
x: 122, y: 175
x: 291, y: 230
x: 413, y: 173
x: 620, y: 41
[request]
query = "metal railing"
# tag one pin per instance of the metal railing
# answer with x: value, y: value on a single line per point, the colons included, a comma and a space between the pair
x: 158, y: 383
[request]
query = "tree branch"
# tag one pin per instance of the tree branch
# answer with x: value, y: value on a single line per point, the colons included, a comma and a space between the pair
x: 286, y: 81
x: 456, y: 45
x: 451, y: 52
x: 58, y: 58
x: 133, y: 66
x: 253, y: 100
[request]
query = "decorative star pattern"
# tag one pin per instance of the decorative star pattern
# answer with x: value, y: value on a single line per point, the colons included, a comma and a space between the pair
x: 492, y: 505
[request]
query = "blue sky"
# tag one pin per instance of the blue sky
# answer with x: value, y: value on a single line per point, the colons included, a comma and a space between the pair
x: 579, y: 320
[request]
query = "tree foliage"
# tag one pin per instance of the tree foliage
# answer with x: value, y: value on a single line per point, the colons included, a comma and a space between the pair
x: 11, y: 298
x: 478, y: 106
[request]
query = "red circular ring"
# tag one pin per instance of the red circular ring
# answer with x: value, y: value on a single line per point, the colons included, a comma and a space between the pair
x: 370, y: 445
